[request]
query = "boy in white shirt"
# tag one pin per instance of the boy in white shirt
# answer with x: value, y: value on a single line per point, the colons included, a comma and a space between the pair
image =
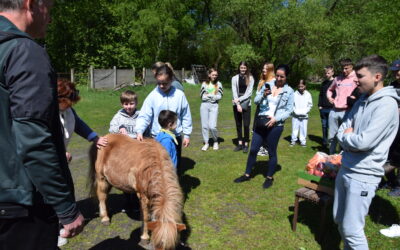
x: 302, y: 106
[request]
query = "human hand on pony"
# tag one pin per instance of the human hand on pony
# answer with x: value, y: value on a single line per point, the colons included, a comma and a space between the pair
x: 101, y: 142
x: 74, y: 228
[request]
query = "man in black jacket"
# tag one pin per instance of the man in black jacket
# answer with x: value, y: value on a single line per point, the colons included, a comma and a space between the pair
x: 36, y: 188
x: 324, y: 105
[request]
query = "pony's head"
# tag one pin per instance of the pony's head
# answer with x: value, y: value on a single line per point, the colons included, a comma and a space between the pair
x: 165, y: 235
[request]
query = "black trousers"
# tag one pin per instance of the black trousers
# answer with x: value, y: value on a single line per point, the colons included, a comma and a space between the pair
x: 242, y: 119
x: 37, y: 231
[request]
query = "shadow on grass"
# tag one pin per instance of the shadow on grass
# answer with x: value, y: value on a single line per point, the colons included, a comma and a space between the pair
x: 186, y: 181
x: 261, y: 167
x: 383, y: 212
x: 115, y: 204
x: 219, y: 140
x: 120, y: 244
x: 310, y: 215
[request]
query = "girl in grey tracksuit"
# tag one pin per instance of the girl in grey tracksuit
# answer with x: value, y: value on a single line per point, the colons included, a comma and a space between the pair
x: 211, y: 92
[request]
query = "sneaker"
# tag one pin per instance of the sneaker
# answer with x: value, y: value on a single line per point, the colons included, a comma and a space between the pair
x: 393, y: 231
x: 262, y: 152
x: 242, y: 179
x: 245, y: 149
x: 238, y: 148
x: 268, y: 183
x: 395, y: 192
x: 292, y: 143
x: 205, y: 147
x: 303, y: 145
x: 215, y: 146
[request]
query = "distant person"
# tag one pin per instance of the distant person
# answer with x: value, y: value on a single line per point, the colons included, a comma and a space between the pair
x: 267, y: 76
x: 394, y: 152
x: 365, y: 136
x: 36, y: 187
x: 165, y: 97
x: 343, y: 86
x: 324, y: 105
x: 211, y: 93
x: 301, y: 107
x: 242, y: 89
x: 175, y: 82
x: 166, y: 137
x: 124, y: 121
x: 68, y: 95
x: 276, y: 105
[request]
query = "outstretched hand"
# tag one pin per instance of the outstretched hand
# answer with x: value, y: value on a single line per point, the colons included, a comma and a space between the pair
x: 102, y: 142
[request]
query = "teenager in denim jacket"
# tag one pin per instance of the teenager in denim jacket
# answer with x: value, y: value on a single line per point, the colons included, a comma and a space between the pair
x: 277, y: 105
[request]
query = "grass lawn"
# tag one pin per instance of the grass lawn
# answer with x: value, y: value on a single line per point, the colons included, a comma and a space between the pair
x: 219, y: 213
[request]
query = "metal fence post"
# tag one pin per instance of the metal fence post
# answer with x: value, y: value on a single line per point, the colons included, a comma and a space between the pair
x: 134, y: 77
x: 72, y: 75
x: 91, y: 75
x: 144, y: 76
x: 115, y: 76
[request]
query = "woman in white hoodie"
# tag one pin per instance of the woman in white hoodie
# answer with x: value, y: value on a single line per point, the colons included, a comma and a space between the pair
x: 302, y: 106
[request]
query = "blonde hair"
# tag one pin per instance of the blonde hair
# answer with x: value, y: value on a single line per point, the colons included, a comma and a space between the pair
x: 268, y: 77
x: 209, y: 79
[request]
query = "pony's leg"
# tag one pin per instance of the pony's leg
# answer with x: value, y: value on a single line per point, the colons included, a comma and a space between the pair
x: 145, y: 216
x: 103, y: 187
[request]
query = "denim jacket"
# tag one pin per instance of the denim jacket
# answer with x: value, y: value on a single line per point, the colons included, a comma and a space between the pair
x: 285, y: 103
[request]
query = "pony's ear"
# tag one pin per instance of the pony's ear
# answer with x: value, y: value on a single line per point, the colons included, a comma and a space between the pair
x: 151, y: 225
x: 180, y: 227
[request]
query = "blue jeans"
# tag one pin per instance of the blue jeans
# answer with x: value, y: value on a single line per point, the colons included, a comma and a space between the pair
x: 351, y: 204
x: 270, y: 137
x: 324, y: 114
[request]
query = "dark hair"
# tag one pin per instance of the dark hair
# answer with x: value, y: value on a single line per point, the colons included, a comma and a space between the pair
x: 7, y: 5
x: 248, y: 74
x: 166, y: 117
x: 283, y: 67
x: 302, y: 81
x: 164, y: 69
x: 67, y: 92
x: 374, y: 64
x: 128, y: 96
x: 328, y: 67
x: 346, y: 62
x: 156, y: 65
x: 209, y: 71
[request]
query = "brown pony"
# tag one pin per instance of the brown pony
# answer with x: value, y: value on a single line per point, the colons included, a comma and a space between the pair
x: 145, y: 168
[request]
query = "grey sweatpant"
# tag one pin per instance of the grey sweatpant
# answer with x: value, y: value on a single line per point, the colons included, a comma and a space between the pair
x: 209, y: 116
x: 351, y: 204
x: 335, y: 120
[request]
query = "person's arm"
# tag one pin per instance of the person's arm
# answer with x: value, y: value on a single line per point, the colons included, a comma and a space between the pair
x: 321, y: 95
x: 34, y: 113
x: 114, y: 124
x: 288, y: 108
x: 145, y: 117
x: 203, y: 93
x: 249, y: 90
x: 217, y: 96
x: 331, y: 89
x: 309, y: 103
x: 378, y: 128
x: 186, y: 118
x: 82, y: 129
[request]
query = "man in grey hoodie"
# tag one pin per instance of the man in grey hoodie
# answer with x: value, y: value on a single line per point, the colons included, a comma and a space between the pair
x: 365, y: 137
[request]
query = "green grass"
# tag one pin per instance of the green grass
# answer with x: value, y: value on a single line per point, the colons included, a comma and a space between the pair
x: 219, y: 213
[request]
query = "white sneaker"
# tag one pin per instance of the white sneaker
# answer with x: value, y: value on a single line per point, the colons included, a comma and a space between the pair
x: 393, y: 231
x: 61, y: 241
x: 262, y: 152
x: 205, y: 147
x: 292, y: 143
x: 215, y: 146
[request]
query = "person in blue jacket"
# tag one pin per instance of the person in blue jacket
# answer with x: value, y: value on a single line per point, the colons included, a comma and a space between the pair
x: 167, y: 120
x: 276, y: 105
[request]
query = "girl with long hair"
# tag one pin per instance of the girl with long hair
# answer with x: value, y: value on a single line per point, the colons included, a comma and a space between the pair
x: 211, y: 92
x: 276, y: 105
x: 242, y: 89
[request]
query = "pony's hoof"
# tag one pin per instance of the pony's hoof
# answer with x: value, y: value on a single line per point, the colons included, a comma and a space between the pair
x: 105, y: 223
x: 146, y: 244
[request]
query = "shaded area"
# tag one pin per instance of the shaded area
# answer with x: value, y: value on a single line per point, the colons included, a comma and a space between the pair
x: 320, y: 147
x: 117, y: 243
x: 309, y: 215
x: 261, y: 167
x: 383, y: 212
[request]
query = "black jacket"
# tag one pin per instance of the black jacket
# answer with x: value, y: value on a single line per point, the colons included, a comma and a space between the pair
x: 323, y: 100
x: 33, y: 166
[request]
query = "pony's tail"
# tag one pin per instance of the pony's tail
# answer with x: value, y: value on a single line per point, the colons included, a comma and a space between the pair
x: 166, y: 206
x: 92, y: 184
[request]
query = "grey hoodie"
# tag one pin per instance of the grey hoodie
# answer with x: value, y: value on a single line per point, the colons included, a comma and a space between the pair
x: 122, y: 120
x: 374, y: 120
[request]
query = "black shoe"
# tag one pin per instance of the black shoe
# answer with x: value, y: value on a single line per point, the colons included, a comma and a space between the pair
x: 238, y: 148
x: 268, y: 183
x: 242, y: 179
x: 245, y: 149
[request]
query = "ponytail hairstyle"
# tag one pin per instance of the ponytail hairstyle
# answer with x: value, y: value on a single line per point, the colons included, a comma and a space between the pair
x: 268, y: 77
x: 247, y: 74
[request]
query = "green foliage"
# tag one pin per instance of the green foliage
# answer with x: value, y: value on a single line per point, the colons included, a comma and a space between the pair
x: 306, y: 35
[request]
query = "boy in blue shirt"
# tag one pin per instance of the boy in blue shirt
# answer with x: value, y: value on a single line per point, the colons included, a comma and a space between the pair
x: 166, y: 137
x: 365, y: 136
